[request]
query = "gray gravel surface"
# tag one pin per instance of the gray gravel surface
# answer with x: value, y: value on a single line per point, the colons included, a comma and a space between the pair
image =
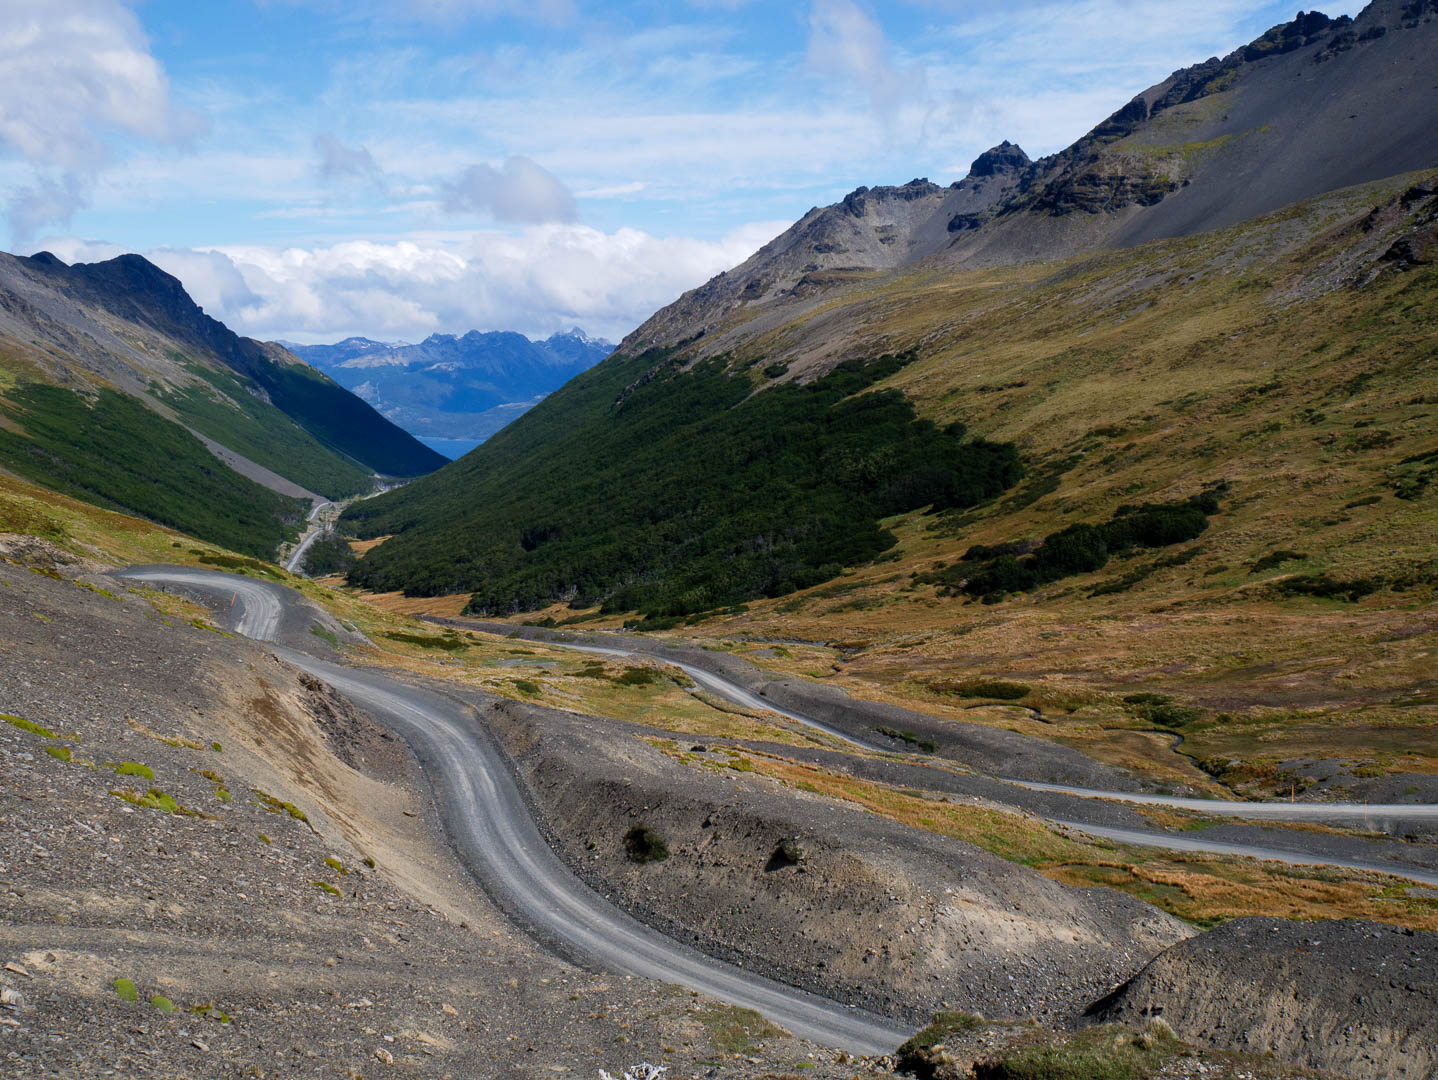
x: 1356, y: 998
x: 404, y: 969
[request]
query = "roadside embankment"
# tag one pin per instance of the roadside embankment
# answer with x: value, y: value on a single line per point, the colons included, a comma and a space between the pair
x: 788, y: 883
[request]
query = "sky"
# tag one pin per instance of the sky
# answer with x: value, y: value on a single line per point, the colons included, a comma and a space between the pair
x: 314, y: 169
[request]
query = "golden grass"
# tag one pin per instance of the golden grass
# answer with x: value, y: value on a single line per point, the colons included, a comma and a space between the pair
x: 1203, y: 889
x: 1245, y: 355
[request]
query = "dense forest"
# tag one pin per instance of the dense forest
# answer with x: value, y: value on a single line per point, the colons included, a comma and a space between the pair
x: 644, y: 488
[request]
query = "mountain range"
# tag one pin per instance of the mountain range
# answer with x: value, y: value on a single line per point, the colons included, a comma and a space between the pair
x: 116, y: 387
x: 451, y: 387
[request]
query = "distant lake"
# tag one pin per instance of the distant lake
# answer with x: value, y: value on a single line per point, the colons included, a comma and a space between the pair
x: 450, y: 448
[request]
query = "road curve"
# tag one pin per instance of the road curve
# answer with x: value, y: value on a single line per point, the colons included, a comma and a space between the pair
x: 734, y: 693
x: 312, y: 533
x: 1290, y: 811
x: 489, y: 821
x: 1169, y: 842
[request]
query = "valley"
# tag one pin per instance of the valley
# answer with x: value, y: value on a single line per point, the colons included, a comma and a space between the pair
x: 987, y: 633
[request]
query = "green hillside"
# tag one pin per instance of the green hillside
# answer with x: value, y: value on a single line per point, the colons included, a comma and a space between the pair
x: 116, y: 453
x: 227, y: 411
x: 649, y: 488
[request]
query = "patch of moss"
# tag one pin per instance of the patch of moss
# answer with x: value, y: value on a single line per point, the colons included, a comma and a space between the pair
x: 325, y: 886
x: 734, y: 1030
x: 337, y: 866
x: 1107, y: 1052
x: 126, y: 990
x: 278, y: 806
x: 327, y: 636
x: 154, y: 799
x: 61, y: 752
x: 133, y: 768
x: 28, y: 725
x: 164, y: 1004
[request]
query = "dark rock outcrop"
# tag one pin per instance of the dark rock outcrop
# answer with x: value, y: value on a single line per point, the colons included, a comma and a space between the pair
x: 1358, y: 999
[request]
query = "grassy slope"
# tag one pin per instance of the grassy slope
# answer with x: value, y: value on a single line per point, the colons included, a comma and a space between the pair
x: 230, y: 413
x: 115, y: 452
x: 1250, y: 356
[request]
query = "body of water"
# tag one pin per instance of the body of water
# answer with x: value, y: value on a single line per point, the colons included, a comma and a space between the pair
x: 450, y: 448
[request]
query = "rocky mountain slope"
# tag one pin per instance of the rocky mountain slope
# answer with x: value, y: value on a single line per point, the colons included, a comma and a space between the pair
x: 456, y: 387
x: 116, y: 387
x: 1313, y: 105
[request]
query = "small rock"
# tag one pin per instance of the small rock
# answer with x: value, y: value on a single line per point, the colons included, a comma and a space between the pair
x: 449, y: 1010
x: 16, y: 969
x: 384, y: 1055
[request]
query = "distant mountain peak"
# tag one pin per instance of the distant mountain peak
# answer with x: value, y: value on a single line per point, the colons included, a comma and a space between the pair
x: 1006, y: 157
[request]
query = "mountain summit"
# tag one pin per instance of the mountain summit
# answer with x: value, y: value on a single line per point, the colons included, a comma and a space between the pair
x: 1313, y: 105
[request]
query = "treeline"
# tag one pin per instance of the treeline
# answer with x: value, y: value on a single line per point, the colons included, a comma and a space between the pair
x: 647, y: 488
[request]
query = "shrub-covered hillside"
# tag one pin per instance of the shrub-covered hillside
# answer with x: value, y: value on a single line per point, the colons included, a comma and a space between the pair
x: 666, y: 491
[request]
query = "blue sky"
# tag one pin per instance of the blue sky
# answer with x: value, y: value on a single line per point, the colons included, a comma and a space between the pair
x: 316, y: 168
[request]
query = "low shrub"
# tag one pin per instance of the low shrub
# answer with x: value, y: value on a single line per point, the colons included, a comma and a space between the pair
x: 643, y: 845
x: 985, y: 688
x: 1325, y: 587
x: 928, y: 746
x: 1275, y: 558
x: 921, y: 1055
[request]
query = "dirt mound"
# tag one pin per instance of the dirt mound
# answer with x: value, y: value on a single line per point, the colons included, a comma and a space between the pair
x: 815, y: 893
x: 1358, y: 999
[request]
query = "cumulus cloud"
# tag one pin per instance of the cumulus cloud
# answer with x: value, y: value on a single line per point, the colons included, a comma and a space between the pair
x: 75, y: 74
x: 847, y: 43
x: 520, y: 191
x: 542, y: 279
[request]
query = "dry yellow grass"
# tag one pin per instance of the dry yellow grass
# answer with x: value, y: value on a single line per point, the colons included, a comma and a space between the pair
x: 1203, y: 889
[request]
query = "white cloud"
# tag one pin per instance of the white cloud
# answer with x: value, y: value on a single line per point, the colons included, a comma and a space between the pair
x: 521, y: 191
x: 74, y: 76
x: 545, y: 278
x: 340, y: 162
x: 848, y: 43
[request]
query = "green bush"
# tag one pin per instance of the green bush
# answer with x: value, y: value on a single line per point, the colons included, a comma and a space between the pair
x: 643, y: 845
x: 993, y: 572
x: 1321, y: 585
x: 928, y: 746
x: 1275, y: 558
x: 985, y: 688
